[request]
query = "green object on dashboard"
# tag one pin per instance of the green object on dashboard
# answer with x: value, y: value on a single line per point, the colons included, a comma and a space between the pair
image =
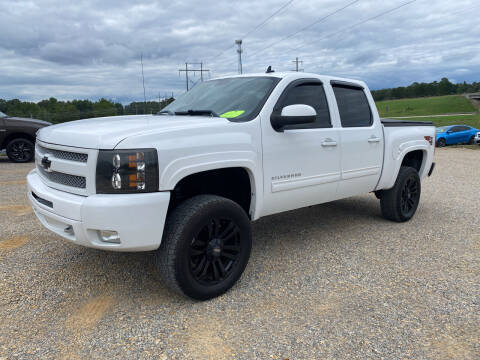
x: 232, y: 114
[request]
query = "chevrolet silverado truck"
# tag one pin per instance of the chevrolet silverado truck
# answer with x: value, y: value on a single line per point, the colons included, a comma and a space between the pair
x: 187, y: 182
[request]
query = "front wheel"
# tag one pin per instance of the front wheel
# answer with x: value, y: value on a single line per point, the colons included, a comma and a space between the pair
x: 205, y: 247
x: 20, y: 150
x: 400, y: 202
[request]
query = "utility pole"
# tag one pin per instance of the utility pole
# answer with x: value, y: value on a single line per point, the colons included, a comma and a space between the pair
x: 239, y: 51
x: 143, y: 80
x: 187, y: 70
x: 296, y: 61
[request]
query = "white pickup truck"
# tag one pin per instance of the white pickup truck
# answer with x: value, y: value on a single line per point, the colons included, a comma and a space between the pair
x: 188, y: 181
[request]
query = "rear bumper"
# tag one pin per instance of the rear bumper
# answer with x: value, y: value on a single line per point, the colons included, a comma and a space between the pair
x: 137, y: 218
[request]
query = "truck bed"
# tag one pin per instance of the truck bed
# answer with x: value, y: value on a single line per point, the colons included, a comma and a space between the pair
x: 399, y: 122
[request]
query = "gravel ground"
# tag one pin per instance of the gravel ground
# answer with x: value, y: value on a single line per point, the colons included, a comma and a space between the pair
x: 334, y: 281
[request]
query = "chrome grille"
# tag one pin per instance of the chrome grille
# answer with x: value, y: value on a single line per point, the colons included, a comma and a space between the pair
x: 64, y: 179
x: 65, y: 155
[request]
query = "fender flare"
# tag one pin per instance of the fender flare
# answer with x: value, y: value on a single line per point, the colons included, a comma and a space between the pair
x: 180, y: 168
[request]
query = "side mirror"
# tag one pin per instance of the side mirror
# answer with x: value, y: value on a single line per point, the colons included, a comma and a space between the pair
x: 293, y: 115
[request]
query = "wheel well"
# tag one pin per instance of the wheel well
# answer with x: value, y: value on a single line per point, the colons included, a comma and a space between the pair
x: 231, y: 183
x: 10, y: 137
x: 413, y: 159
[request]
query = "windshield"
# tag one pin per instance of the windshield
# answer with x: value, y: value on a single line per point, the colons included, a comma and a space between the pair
x: 237, y: 99
x: 2, y: 115
x: 442, y: 129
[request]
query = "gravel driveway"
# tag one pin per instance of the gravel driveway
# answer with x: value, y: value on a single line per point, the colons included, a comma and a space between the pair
x: 334, y: 281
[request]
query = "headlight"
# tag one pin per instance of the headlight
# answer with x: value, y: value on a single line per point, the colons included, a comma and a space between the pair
x: 127, y: 171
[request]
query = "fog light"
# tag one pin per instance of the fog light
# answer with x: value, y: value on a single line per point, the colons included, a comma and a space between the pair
x: 109, y: 236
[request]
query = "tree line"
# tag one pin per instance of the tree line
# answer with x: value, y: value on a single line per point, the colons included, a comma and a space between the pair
x: 57, y: 111
x: 444, y: 87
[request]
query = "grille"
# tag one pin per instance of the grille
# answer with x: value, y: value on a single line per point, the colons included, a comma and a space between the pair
x: 65, y: 155
x: 64, y: 179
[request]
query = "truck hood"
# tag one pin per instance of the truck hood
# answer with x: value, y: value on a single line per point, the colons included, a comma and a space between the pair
x: 108, y: 132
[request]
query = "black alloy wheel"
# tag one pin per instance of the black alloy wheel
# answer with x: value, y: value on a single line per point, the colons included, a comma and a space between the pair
x: 214, y: 251
x: 441, y: 142
x: 20, y: 150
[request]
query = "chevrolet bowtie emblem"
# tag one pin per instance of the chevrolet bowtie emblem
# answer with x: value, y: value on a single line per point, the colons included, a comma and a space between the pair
x: 46, y: 163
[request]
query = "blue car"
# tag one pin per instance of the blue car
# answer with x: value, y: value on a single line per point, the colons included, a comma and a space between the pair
x: 455, y: 134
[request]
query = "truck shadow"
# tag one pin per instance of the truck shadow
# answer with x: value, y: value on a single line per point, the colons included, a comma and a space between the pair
x: 133, y: 277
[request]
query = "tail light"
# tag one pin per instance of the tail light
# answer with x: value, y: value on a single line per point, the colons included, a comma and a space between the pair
x: 429, y: 139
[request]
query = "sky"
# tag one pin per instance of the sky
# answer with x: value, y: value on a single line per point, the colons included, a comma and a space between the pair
x: 87, y: 49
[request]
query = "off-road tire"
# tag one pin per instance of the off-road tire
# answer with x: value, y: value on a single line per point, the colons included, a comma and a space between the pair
x: 184, y: 226
x: 396, y: 203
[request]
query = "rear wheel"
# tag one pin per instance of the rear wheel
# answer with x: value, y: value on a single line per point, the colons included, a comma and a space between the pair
x: 471, y: 141
x: 441, y: 142
x: 20, y: 150
x: 400, y: 202
x: 205, y: 247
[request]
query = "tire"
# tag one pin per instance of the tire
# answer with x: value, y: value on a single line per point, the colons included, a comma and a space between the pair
x: 205, y: 247
x: 441, y: 142
x: 20, y: 150
x: 400, y: 202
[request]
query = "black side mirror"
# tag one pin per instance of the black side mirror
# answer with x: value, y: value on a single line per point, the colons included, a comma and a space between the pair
x: 293, y: 115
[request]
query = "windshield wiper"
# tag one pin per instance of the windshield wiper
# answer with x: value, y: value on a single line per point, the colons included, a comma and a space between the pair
x: 197, y: 112
x: 168, y: 112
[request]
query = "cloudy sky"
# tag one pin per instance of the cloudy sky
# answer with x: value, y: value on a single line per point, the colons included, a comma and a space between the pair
x: 91, y: 49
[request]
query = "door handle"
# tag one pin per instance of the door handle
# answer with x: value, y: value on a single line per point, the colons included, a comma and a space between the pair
x: 374, y: 139
x: 329, y: 142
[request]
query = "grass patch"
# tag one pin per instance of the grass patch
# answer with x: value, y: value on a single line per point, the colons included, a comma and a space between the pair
x: 425, y: 106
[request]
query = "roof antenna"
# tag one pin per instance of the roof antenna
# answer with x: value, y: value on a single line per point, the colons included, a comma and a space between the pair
x: 269, y: 70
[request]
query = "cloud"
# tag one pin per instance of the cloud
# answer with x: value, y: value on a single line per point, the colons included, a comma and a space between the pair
x: 91, y: 49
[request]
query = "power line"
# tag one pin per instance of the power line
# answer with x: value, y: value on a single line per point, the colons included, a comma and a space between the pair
x: 348, y: 28
x: 316, y: 22
x: 256, y: 27
x: 267, y: 19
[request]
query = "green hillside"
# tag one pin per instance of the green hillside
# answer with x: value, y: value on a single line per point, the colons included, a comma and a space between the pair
x: 472, y: 120
x: 438, y: 105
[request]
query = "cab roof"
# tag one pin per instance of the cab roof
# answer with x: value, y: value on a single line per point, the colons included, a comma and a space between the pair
x: 292, y: 75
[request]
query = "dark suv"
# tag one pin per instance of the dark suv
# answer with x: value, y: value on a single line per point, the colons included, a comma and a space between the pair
x: 17, y: 136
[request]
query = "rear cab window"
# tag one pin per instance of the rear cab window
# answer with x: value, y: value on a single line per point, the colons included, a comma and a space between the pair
x: 353, y: 105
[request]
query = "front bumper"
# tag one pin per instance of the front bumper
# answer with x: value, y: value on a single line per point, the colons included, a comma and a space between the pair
x: 137, y: 218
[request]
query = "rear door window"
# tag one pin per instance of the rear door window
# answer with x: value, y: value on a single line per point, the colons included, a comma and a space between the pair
x: 353, y: 106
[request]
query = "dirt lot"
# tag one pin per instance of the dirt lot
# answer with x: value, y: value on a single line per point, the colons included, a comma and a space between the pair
x: 332, y: 281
